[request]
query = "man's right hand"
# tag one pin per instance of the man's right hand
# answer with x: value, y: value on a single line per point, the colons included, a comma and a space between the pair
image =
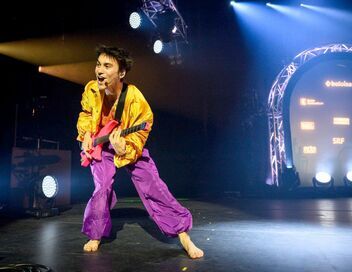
x: 87, y: 144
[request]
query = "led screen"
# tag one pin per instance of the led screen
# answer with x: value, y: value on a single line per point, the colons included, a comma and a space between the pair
x: 320, y: 120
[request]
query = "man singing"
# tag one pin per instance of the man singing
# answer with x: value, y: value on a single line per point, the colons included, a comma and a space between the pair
x: 99, y: 103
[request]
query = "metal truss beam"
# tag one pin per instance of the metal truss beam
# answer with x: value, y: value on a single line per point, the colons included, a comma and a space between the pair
x: 152, y: 9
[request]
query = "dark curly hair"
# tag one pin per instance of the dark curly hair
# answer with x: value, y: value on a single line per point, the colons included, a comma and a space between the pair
x: 121, y: 55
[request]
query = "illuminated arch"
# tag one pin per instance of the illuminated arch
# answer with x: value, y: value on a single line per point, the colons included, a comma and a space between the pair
x: 277, y: 154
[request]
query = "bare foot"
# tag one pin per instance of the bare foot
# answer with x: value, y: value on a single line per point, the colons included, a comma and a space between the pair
x: 193, y: 251
x: 91, y: 245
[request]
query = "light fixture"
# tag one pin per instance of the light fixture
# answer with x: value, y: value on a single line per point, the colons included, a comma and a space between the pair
x: 49, y: 187
x: 168, y: 24
x: 323, y: 180
x: 135, y: 20
x: 289, y: 178
x: 347, y: 180
x: 177, y: 59
x: 43, y: 195
x: 158, y: 46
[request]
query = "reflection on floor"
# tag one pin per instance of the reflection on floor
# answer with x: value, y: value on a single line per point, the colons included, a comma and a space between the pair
x: 236, y: 235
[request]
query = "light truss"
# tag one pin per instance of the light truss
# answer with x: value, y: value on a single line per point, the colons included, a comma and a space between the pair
x: 275, y: 105
x: 152, y: 9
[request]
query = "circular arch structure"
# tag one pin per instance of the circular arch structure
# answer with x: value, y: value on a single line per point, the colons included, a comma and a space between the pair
x: 275, y: 106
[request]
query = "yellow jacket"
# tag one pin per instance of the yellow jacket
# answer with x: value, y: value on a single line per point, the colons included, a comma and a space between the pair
x: 136, y: 111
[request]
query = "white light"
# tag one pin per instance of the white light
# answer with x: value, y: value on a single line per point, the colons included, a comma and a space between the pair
x: 269, y: 4
x: 338, y: 84
x: 158, y: 46
x: 338, y: 140
x: 233, y: 3
x: 349, y: 176
x: 307, y: 125
x: 135, y: 20
x: 174, y: 30
x: 344, y: 121
x: 49, y: 186
x: 303, y: 101
x: 323, y: 177
x: 309, y: 149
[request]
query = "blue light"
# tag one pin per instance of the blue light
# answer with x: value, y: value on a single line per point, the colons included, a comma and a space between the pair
x: 334, y: 13
x: 232, y: 3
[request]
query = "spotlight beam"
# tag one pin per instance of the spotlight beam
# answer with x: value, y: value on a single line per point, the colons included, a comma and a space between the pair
x: 75, y: 47
x: 331, y: 12
x: 79, y: 73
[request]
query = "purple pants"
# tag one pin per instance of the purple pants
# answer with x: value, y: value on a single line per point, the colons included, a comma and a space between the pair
x: 166, y: 211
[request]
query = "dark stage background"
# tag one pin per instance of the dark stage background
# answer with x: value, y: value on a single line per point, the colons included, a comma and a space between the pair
x: 210, y: 136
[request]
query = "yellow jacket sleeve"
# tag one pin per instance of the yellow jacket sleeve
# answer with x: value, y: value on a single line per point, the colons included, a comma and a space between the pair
x: 136, y: 111
x: 84, y: 122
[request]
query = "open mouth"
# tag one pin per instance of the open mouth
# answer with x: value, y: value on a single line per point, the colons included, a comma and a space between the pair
x: 101, y: 79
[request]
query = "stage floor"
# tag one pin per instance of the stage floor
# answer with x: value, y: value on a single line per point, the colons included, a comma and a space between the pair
x: 236, y: 235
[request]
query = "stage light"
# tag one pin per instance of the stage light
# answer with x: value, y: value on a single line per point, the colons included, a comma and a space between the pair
x: 349, y: 176
x: 176, y: 59
x: 323, y: 180
x: 323, y: 177
x: 347, y: 180
x: 158, y: 46
x: 166, y: 24
x: 43, y: 194
x: 49, y: 186
x: 78, y: 72
x: 135, y: 20
x: 232, y: 3
x: 289, y: 178
x: 307, y: 6
x: 269, y: 4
